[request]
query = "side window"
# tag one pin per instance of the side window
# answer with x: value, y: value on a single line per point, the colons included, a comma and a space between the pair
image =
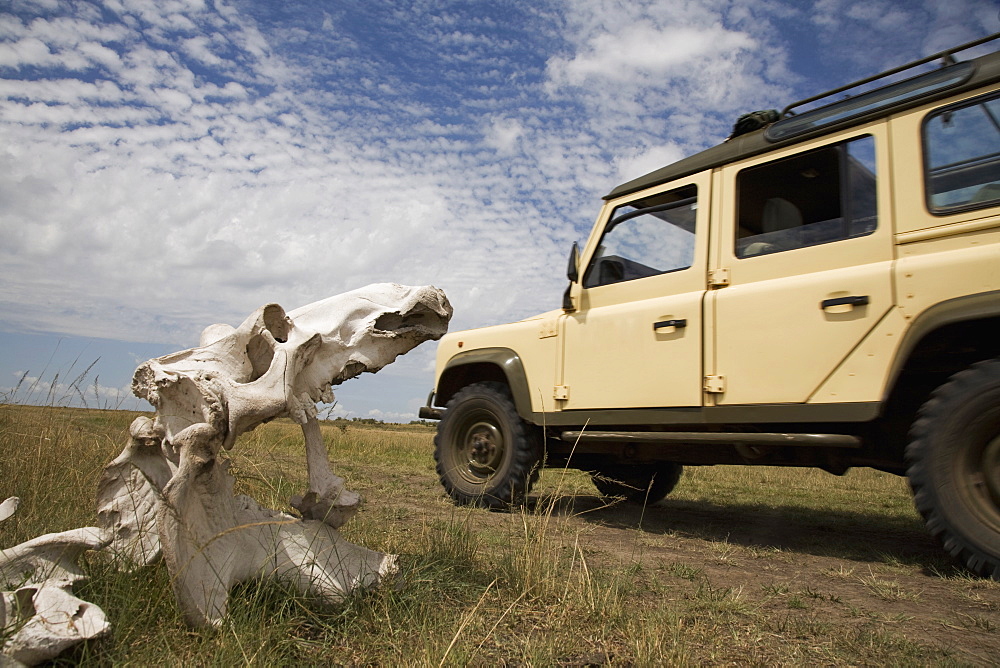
x: 646, y: 237
x: 962, y: 156
x: 813, y: 198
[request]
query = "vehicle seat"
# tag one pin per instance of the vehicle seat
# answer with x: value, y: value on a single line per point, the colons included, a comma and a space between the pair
x: 779, y: 215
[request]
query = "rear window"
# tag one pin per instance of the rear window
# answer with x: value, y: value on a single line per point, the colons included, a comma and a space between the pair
x: 962, y: 156
x: 817, y: 197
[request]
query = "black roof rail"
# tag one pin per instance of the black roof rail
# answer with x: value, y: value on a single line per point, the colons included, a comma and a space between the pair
x: 946, y: 55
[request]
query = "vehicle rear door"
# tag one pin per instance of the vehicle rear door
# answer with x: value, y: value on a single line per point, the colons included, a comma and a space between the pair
x: 804, y: 255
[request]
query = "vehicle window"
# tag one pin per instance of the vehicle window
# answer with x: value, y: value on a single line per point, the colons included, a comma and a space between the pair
x: 813, y: 198
x: 645, y: 238
x: 962, y: 156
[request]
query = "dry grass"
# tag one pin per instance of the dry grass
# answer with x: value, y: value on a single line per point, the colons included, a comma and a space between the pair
x: 534, y: 587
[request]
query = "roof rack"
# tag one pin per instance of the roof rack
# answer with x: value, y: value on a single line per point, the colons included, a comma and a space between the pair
x: 946, y: 55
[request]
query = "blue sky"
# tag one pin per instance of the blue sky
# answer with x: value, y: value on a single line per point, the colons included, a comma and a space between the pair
x: 168, y: 164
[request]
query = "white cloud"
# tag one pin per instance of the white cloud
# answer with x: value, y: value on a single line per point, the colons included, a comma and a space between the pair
x: 391, y: 416
x: 652, y: 74
x: 643, y: 51
x: 504, y: 135
x: 166, y: 165
x: 28, y: 51
x: 635, y: 165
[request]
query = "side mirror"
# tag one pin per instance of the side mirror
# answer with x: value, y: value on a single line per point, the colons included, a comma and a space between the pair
x: 573, y: 274
x: 573, y: 270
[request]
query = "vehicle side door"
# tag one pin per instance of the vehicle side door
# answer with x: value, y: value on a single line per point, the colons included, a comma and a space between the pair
x: 806, y: 252
x: 636, y: 337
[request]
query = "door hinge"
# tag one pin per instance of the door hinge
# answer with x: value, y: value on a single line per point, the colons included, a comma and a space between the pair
x: 561, y: 393
x: 718, y: 278
x: 548, y: 328
x: 715, y: 384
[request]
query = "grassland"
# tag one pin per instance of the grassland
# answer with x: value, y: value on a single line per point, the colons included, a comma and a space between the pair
x: 740, y: 566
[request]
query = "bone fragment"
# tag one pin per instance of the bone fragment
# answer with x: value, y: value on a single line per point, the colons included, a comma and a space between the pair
x: 9, y: 507
x: 130, y: 491
x: 43, y: 571
x: 327, y: 499
x: 213, y: 540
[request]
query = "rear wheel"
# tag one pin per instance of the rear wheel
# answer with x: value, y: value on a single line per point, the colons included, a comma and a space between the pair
x: 954, y: 466
x: 486, y: 455
x: 638, y: 483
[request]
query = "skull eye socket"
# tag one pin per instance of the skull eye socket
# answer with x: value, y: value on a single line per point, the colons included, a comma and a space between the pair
x: 260, y: 355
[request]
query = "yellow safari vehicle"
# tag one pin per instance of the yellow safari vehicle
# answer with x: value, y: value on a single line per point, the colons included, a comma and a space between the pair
x: 822, y: 290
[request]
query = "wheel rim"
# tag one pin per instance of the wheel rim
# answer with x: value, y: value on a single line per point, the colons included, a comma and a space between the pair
x: 982, y: 481
x: 480, y: 449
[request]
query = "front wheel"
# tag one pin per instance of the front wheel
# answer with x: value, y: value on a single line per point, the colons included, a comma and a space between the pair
x: 954, y: 466
x: 486, y: 455
x: 638, y: 483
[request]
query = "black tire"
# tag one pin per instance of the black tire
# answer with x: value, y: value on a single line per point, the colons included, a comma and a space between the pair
x: 953, y: 465
x: 643, y: 484
x: 486, y: 455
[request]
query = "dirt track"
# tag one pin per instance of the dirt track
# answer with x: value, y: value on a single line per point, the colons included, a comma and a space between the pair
x: 879, y: 575
x: 797, y: 566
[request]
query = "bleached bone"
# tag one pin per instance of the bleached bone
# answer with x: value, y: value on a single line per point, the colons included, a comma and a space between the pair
x: 213, y: 539
x: 129, y: 493
x: 274, y: 364
x: 9, y: 507
x: 277, y: 364
x: 327, y: 499
x: 43, y: 571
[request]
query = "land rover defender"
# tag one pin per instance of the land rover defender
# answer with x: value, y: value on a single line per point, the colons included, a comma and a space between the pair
x: 822, y: 291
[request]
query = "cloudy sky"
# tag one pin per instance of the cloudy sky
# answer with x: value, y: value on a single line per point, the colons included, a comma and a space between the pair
x: 168, y: 164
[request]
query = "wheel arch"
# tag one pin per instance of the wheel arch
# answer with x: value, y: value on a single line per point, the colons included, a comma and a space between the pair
x: 501, y: 365
x: 947, y: 338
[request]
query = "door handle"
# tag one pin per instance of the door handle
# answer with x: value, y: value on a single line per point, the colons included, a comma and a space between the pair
x: 670, y: 323
x: 854, y: 300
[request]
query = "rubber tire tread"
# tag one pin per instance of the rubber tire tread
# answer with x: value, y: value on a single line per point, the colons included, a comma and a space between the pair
x: 506, y: 488
x: 933, y: 446
x: 635, y: 487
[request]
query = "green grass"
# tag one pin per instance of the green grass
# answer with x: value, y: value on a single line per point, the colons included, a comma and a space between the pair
x: 529, y: 587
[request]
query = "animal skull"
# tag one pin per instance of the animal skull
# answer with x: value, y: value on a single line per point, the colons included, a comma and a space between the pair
x: 274, y: 364
x: 277, y: 364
